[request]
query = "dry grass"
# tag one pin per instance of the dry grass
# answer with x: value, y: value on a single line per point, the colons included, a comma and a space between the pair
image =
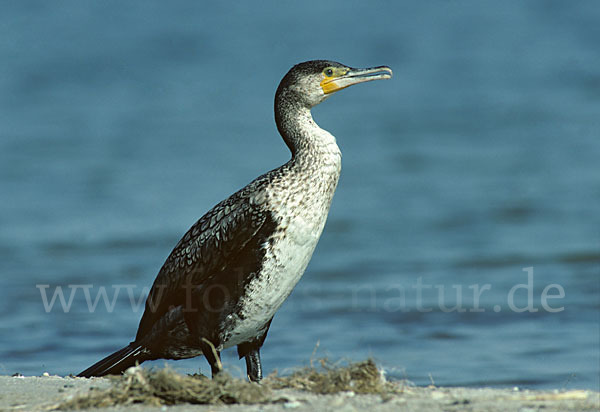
x: 166, y: 387
x: 360, y: 377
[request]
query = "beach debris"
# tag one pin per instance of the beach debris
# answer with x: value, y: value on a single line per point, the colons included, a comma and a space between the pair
x: 360, y: 377
x: 166, y: 387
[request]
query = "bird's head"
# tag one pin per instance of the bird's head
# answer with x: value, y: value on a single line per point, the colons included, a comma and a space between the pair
x: 313, y: 81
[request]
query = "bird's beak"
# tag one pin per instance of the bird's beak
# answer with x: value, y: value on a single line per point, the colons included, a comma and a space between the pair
x: 354, y: 76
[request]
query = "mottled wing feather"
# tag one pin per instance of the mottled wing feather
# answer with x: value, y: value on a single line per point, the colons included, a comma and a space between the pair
x: 203, y: 252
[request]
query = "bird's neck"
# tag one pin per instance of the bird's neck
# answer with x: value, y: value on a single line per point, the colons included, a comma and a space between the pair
x: 308, y: 143
x: 313, y: 172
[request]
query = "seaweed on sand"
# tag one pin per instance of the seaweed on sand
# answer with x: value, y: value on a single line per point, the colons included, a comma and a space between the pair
x: 166, y: 387
x: 360, y: 377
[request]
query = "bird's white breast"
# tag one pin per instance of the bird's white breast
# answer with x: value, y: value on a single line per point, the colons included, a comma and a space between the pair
x: 300, y: 204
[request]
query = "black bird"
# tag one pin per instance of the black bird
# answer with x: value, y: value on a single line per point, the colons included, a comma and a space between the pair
x: 225, y: 279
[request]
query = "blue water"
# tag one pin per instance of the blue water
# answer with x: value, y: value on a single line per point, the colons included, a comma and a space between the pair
x: 121, y: 123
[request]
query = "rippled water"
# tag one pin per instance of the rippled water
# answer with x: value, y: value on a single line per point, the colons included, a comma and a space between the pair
x: 121, y: 123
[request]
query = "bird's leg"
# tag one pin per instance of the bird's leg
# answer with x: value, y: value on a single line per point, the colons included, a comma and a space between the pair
x: 212, y: 355
x: 251, y: 351
x: 253, y: 366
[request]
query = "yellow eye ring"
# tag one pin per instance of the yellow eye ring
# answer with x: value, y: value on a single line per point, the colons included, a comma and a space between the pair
x: 329, y: 72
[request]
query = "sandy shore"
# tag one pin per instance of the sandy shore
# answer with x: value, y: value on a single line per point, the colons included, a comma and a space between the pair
x: 46, y: 393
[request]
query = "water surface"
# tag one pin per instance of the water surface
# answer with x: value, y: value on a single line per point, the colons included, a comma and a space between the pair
x: 123, y: 123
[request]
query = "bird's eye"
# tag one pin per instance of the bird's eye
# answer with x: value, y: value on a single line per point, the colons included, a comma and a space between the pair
x: 329, y: 72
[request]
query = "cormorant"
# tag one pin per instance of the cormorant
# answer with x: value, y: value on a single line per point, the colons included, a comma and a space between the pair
x: 225, y: 279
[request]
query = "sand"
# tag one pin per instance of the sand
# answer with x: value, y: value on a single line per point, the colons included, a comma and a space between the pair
x: 49, y: 392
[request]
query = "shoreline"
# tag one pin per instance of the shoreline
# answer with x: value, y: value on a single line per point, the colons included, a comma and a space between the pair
x: 48, y: 392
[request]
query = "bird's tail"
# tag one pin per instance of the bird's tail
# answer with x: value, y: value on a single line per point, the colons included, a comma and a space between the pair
x: 117, y: 362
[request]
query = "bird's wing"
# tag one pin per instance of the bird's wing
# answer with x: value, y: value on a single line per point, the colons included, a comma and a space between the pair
x: 220, y: 239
